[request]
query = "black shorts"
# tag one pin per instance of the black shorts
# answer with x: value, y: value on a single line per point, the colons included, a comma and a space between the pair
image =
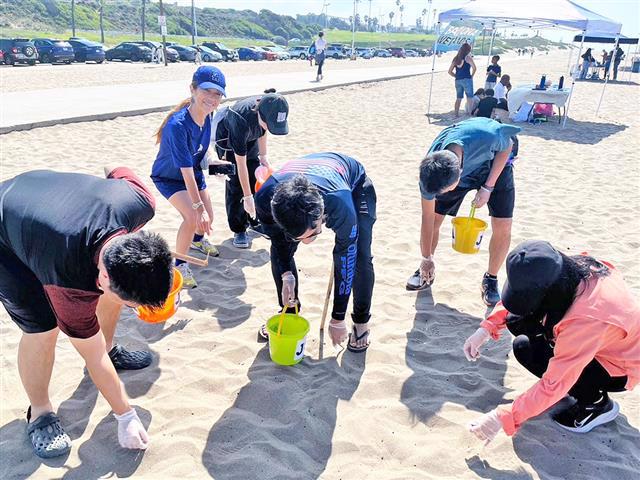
x: 501, y: 201
x: 23, y: 296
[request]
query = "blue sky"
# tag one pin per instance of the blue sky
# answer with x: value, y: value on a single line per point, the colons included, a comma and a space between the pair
x: 625, y: 11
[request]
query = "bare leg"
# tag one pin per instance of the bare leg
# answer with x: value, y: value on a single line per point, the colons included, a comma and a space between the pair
x: 36, y: 353
x: 500, y: 242
x: 182, y: 203
x: 108, y: 313
x: 456, y: 107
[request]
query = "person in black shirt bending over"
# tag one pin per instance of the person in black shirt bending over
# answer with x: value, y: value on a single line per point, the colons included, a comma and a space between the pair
x: 241, y: 135
x: 294, y: 203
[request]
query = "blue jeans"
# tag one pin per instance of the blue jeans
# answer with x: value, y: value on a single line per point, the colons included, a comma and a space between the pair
x: 585, y: 69
x: 464, y: 86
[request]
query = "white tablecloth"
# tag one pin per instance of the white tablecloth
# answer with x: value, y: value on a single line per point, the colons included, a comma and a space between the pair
x: 526, y: 93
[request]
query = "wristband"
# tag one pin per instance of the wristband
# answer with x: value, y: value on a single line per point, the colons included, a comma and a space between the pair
x: 246, y: 197
x: 428, y: 259
x: 487, y: 188
x: 197, y: 205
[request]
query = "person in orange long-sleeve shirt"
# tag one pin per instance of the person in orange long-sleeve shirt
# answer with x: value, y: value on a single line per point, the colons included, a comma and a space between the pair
x: 577, y: 327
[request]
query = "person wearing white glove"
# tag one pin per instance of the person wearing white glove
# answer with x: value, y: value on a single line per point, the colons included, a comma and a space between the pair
x: 241, y: 136
x: 486, y: 427
x: 471, y: 155
x: 474, y: 342
x: 289, y: 289
x: 131, y: 432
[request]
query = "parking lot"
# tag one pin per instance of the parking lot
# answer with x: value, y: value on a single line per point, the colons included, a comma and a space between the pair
x: 47, y: 76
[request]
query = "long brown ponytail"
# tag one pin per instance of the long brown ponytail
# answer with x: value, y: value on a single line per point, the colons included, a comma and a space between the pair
x: 175, y: 109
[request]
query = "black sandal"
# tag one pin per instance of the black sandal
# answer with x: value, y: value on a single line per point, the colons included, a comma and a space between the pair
x: 357, y: 338
x: 125, y: 360
x: 47, y: 436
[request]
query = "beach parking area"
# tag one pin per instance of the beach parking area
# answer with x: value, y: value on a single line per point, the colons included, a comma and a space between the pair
x: 215, y: 405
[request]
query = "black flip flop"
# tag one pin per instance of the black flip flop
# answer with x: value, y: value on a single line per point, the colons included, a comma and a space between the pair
x: 47, y: 436
x: 417, y: 285
x: 357, y: 338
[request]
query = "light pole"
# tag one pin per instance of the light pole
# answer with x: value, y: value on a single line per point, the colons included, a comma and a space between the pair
x: 194, y: 28
x: 73, y: 18
x: 353, y: 31
x: 369, y: 21
x: 143, y: 18
x: 428, y: 13
x: 325, y: 9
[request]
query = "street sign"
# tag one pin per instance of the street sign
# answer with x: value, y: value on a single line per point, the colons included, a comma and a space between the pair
x: 163, y: 29
x: 162, y: 21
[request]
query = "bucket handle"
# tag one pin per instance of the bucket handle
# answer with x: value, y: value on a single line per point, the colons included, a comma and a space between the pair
x: 282, y: 314
x: 471, y: 215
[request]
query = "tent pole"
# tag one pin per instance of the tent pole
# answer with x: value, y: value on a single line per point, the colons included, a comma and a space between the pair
x: 493, y: 35
x: 573, y: 81
x: 635, y: 53
x: 570, y: 58
x: 609, y: 72
x: 626, y: 57
x: 433, y: 69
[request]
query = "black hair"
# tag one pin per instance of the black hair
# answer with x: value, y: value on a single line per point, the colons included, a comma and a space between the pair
x: 497, y: 57
x: 568, y: 286
x: 480, y: 91
x: 297, y: 205
x: 439, y: 170
x: 321, y: 34
x: 270, y: 90
x: 489, y: 92
x: 140, y: 268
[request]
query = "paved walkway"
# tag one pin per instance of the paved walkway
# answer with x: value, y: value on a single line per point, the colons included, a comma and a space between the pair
x: 41, y: 108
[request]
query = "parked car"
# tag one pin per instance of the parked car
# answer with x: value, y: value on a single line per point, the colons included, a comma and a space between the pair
x: 398, y: 52
x: 248, y: 53
x: 381, y: 52
x: 129, y: 51
x: 187, y: 54
x: 411, y: 53
x: 172, y: 54
x: 421, y: 52
x: 1, y: 57
x: 336, y: 52
x: 299, y: 52
x: 54, y: 51
x: 18, y: 50
x: 86, y: 50
x: 207, y: 54
x: 228, y: 54
x: 268, y: 55
x: 279, y: 51
x: 366, y: 53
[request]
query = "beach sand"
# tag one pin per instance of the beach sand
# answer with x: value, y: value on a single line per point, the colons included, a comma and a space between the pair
x: 216, y: 406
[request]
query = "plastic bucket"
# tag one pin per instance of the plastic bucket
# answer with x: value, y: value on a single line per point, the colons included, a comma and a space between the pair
x: 467, y: 233
x: 162, y: 314
x: 288, y: 347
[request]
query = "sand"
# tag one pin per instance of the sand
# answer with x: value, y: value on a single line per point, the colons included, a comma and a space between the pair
x: 216, y: 406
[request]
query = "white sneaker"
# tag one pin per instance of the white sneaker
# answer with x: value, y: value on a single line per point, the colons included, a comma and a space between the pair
x: 188, y: 280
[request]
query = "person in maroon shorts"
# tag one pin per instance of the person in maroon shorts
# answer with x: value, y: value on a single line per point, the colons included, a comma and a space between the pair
x: 71, y: 255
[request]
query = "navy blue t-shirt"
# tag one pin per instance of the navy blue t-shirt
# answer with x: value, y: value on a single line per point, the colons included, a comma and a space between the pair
x: 184, y: 144
x: 493, y: 72
x: 336, y: 176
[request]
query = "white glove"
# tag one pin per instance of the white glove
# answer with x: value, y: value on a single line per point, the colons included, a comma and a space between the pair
x: 474, y: 342
x: 428, y: 269
x: 131, y: 432
x: 337, y: 331
x: 249, y: 205
x: 264, y: 161
x: 288, y: 289
x: 486, y: 427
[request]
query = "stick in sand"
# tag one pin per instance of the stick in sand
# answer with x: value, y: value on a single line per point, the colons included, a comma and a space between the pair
x: 190, y: 259
x: 326, y: 299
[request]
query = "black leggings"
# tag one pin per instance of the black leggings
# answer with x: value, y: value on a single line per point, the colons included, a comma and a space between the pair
x: 238, y: 219
x: 320, y: 62
x: 364, y: 276
x: 533, y: 352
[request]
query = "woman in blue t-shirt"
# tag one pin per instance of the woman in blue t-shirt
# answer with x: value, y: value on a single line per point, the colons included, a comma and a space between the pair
x: 463, y: 68
x: 184, y: 138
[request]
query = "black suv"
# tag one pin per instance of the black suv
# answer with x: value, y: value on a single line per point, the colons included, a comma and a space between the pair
x: 18, y: 50
x: 228, y: 54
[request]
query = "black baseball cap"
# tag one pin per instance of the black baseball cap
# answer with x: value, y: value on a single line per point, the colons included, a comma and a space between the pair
x: 274, y: 110
x: 532, y: 267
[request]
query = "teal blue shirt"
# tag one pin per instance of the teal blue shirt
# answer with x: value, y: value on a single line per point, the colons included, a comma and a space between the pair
x: 480, y: 139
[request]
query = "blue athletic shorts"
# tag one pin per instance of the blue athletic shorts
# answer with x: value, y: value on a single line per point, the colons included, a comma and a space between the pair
x: 168, y: 187
x: 464, y: 86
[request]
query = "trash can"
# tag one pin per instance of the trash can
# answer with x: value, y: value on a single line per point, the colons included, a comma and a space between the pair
x: 635, y: 67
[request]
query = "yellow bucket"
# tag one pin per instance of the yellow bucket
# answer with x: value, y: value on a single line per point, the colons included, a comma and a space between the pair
x: 164, y: 313
x: 287, y: 338
x: 467, y: 233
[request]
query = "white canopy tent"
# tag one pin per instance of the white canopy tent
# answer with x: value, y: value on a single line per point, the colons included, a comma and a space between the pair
x: 541, y: 14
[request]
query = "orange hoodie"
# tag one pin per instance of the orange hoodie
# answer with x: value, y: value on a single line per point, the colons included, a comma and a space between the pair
x: 603, y: 323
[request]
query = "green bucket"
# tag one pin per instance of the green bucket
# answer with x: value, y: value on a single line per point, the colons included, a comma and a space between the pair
x: 288, y: 347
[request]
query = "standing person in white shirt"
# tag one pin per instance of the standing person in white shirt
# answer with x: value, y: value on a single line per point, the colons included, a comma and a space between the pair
x: 321, y: 46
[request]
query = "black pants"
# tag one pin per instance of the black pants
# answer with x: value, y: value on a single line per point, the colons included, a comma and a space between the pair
x: 236, y: 216
x: 320, y: 62
x: 364, y: 277
x: 533, y: 351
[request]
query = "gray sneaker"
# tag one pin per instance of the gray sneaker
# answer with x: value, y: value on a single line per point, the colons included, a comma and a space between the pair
x: 241, y: 240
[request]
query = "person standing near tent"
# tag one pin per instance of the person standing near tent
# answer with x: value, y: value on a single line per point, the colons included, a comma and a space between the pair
x: 320, y: 47
x: 577, y: 328
x: 184, y: 137
x: 587, y: 60
x: 493, y: 72
x: 329, y: 189
x: 463, y: 68
x: 619, y: 55
x: 241, y: 138
x: 469, y: 155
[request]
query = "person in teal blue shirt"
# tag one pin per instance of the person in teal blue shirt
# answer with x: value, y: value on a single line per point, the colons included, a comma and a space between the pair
x: 474, y: 154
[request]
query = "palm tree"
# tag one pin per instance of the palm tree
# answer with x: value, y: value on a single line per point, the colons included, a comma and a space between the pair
x: 401, y: 11
x: 391, y: 15
x: 424, y: 12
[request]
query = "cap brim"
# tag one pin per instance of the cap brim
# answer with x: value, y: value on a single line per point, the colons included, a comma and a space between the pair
x: 520, y: 303
x: 212, y: 86
x: 282, y: 129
